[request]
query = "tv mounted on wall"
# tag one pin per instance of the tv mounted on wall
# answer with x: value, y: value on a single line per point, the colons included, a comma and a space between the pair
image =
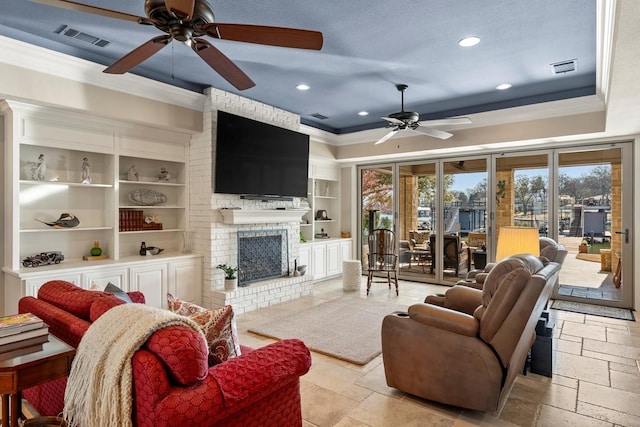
x: 257, y: 159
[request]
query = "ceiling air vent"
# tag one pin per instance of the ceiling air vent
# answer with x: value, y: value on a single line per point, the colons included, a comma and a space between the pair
x: 65, y: 30
x: 565, y: 66
x: 319, y: 116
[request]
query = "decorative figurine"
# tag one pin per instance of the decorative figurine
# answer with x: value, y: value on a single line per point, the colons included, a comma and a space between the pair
x: 66, y: 220
x: 143, y: 249
x: 86, y: 174
x: 132, y: 175
x: 164, y: 175
x: 38, y: 169
x: 43, y: 258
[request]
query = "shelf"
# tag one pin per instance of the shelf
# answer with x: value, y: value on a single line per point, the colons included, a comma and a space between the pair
x: 159, y: 183
x: 306, y: 225
x: 326, y: 197
x: 151, y: 207
x: 68, y: 184
x: 325, y: 220
x: 266, y: 216
x: 63, y: 230
x: 167, y: 230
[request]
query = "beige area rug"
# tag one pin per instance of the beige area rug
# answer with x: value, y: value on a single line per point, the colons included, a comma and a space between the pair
x: 346, y: 328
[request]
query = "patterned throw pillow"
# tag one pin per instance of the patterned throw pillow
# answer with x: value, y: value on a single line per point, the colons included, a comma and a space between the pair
x: 218, y: 326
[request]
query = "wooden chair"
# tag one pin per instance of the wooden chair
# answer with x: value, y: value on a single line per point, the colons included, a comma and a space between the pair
x: 453, y: 254
x: 383, y: 257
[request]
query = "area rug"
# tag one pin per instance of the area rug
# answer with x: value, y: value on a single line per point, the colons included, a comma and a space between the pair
x: 595, y: 310
x: 346, y: 328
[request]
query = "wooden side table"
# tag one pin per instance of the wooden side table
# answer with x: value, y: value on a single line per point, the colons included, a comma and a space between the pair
x: 53, y: 361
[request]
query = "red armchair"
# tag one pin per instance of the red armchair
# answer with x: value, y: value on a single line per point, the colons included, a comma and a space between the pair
x: 172, y: 383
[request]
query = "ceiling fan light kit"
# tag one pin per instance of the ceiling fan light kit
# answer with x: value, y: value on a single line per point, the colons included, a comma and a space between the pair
x: 410, y: 120
x: 189, y: 20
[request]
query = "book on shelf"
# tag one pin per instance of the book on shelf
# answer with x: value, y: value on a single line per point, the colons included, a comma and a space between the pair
x: 20, y: 352
x: 17, y: 323
x: 27, y: 342
x: 20, y: 336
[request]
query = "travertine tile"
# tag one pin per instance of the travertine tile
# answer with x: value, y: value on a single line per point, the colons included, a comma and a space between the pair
x: 568, y: 346
x: 612, y: 348
x: 582, y: 368
x: 608, y: 357
x: 550, y: 416
x: 322, y: 407
x: 605, y: 414
x: 561, y: 397
x: 350, y: 422
x: 378, y: 411
x: 607, y: 397
x: 629, y: 369
x: 584, y: 331
x: 619, y: 337
x: 624, y: 381
x: 564, y: 381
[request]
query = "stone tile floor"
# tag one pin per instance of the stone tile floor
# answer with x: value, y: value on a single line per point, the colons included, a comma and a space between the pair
x: 596, y: 380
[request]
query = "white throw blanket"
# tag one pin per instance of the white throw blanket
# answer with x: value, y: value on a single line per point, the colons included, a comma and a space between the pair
x: 99, y: 389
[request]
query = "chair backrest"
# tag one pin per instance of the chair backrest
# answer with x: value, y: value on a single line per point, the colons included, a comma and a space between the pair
x: 552, y: 250
x: 477, y: 240
x: 382, y: 250
x: 514, y: 294
x: 450, y: 251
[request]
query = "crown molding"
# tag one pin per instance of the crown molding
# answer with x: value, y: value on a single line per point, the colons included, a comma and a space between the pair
x: 31, y: 57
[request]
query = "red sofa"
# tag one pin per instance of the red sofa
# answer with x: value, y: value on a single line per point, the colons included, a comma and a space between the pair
x: 173, y: 386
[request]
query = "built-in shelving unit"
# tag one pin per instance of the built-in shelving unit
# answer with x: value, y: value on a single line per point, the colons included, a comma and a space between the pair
x: 63, y: 162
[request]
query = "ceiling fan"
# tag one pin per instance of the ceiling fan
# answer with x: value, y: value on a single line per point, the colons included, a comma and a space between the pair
x: 187, y: 21
x: 410, y: 120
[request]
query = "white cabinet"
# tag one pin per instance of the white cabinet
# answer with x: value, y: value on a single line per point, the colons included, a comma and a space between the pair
x: 153, y: 276
x: 102, y: 277
x: 325, y: 257
x: 334, y: 261
x: 151, y: 280
x: 319, y: 260
x: 182, y: 276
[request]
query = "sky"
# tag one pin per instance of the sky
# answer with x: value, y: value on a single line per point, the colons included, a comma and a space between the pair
x: 464, y: 181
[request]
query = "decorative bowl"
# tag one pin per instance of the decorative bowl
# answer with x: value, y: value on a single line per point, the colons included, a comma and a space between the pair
x: 302, y: 269
x: 146, y: 197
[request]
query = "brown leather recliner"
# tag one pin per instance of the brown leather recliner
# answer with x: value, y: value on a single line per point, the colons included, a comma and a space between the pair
x: 468, y: 351
x: 549, y: 249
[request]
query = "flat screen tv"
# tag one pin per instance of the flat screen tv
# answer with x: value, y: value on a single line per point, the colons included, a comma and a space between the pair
x: 257, y: 159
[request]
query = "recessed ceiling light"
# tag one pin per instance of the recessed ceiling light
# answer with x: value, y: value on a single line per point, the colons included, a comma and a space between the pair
x: 469, y: 41
x: 303, y: 86
x: 363, y: 113
x: 503, y: 86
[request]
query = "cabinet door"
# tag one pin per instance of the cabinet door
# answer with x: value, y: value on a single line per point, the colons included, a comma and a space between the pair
x: 319, y: 253
x: 345, y: 252
x: 304, y: 257
x: 185, y: 280
x: 33, y: 285
x: 101, y: 278
x: 333, y: 259
x: 151, y: 280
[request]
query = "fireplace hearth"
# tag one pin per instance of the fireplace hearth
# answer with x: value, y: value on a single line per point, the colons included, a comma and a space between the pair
x: 262, y: 255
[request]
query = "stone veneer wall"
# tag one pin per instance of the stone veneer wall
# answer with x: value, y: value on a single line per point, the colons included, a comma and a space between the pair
x: 218, y: 241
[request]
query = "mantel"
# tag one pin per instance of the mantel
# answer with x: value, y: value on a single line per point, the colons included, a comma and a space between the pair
x: 263, y: 216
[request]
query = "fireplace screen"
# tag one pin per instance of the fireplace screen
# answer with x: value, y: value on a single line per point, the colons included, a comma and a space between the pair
x: 262, y: 255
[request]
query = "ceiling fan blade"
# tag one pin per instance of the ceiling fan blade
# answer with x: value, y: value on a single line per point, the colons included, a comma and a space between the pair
x: 79, y: 7
x: 181, y: 9
x: 392, y: 120
x: 221, y: 64
x: 260, y: 34
x: 138, y: 55
x: 387, y: 136
x: 449, y: 121
x: 432, y: 132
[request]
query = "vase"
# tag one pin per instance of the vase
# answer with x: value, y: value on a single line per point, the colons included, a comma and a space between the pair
x: 187, y: 242
x: 230, y: 284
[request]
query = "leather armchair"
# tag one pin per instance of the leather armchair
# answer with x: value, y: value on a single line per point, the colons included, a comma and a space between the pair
x: 549, y: 248
x: 467, y: 347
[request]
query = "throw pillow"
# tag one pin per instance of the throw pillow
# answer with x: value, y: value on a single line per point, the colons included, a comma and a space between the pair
x: 113, y: 289
x: 218, y: 326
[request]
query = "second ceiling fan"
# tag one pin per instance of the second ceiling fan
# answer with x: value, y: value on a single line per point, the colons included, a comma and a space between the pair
x: 410, y: 120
